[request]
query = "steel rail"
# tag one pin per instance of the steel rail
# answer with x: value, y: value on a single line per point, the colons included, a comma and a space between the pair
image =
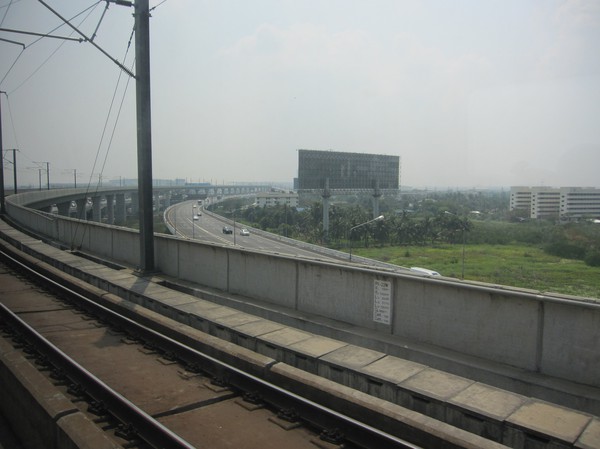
x: 315, y: 414
x: 146, y: 427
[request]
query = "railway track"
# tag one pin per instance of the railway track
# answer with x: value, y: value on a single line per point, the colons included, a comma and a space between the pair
x: 143, y: 387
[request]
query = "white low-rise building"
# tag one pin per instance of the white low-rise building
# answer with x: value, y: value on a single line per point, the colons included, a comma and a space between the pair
x: 566, y: 203
x: 269, y: 199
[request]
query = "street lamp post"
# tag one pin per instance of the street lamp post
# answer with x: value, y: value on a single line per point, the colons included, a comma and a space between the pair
x: 462, y: 226
x: 381, y: 217
x: 193, y: 222
x: 233, y: 227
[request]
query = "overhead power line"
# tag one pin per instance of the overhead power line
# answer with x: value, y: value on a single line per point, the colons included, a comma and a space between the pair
x: 12, y: 42
x: 31, y: 33
x: 41, y: 36
x: 87, y: 39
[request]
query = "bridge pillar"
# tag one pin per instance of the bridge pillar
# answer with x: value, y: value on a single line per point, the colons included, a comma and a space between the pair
x: 110, y: 209
x: 376, y: 196
x: 64, y: 208
x: 120, y: 213
x: 167, y: 199
x: 326, y: 195
x: 96, y: 209
x: 157, y: 201
x: 81, y: 203
x: 135, y: 203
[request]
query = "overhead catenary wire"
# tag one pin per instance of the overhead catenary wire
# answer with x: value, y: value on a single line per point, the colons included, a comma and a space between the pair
x: 32, y: 33
x: 156, y: 6
x: 6, y: 12
x: 87, y: 39
x: 10, y: 41
x: 89, y: 10
x: 12, y: 122
x: 100, y: 21
x: 114, y: 98
x: 75, y: 244
x: 110, y: 109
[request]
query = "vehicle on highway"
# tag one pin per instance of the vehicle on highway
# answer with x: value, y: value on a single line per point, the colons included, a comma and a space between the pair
x: 424, y: 271
x: 196, y: 217
x: 227, y: 230
x: 244, y: 231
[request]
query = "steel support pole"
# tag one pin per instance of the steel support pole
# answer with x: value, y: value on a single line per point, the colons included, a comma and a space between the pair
x: 2, y: 207
x: 144, y: 135
x: 15, y: 169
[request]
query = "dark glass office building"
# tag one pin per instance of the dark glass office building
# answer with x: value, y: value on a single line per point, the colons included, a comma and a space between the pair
x: 347, y: 171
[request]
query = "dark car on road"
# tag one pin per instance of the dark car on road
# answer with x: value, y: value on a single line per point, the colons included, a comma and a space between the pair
x: 227, y: 230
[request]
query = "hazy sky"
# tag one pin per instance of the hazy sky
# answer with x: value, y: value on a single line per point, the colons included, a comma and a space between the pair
x: 468, y: 93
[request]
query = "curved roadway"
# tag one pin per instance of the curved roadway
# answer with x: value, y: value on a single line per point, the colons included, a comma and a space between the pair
x: 209, y: 228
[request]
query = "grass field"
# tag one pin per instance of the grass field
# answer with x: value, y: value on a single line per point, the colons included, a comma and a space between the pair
x: 513, y: 265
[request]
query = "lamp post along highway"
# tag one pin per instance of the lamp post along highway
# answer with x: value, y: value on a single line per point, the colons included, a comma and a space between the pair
x: 193, y: 222
x: 462, y: 226
x: 381, y: 217
x: 14, y: 151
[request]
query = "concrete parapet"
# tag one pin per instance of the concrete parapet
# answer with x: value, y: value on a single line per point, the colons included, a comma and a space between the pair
x: 394, y: 419
x: 538, y: 424
x: 76, y: 431
x: 38, y: 412
x: 483, y: 410
x: 30, y: 402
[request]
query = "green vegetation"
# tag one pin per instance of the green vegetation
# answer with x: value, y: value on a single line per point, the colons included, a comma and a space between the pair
x: 430, y: 230
x: 515, y: 265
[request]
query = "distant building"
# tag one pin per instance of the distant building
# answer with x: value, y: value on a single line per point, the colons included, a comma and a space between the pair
x: 347, y: 171
x: 566, y: 203
x: 269, y: 199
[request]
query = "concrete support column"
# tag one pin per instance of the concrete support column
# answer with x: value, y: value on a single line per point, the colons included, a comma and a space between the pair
x: 96, y: 209
x: 326, y: 195
x: 376, y: 206
x: 120, y: 212
x: 157, y: 201
x: 167, y: 199
x: 325, y: 218
x: 135, y: 203
x: 81, y: 203
x: 110, y: 209
x: 376, y: 196
x: 64, y: 208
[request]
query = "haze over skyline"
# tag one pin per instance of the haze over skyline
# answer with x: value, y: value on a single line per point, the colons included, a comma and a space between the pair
x: 467, y: 93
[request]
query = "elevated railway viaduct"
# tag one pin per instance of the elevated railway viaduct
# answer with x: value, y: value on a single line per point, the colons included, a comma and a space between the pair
x: 425, y: 343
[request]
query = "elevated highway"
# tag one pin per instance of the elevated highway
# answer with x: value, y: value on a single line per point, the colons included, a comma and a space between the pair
x: 208, y: 228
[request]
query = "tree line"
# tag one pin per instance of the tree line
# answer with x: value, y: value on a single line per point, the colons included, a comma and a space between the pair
x: 443, y: 219
x: 396, y: 229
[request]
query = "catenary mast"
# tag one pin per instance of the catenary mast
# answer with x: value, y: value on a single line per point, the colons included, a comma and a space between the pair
x: 144, y: 135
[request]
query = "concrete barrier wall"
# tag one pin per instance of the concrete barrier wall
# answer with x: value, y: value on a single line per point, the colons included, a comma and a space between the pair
x: 342, y: 292
x: 554, y: 336
x: 267, y: 277
x: 503, y: 326
x: 202, y: 264
x: 570, y: 342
